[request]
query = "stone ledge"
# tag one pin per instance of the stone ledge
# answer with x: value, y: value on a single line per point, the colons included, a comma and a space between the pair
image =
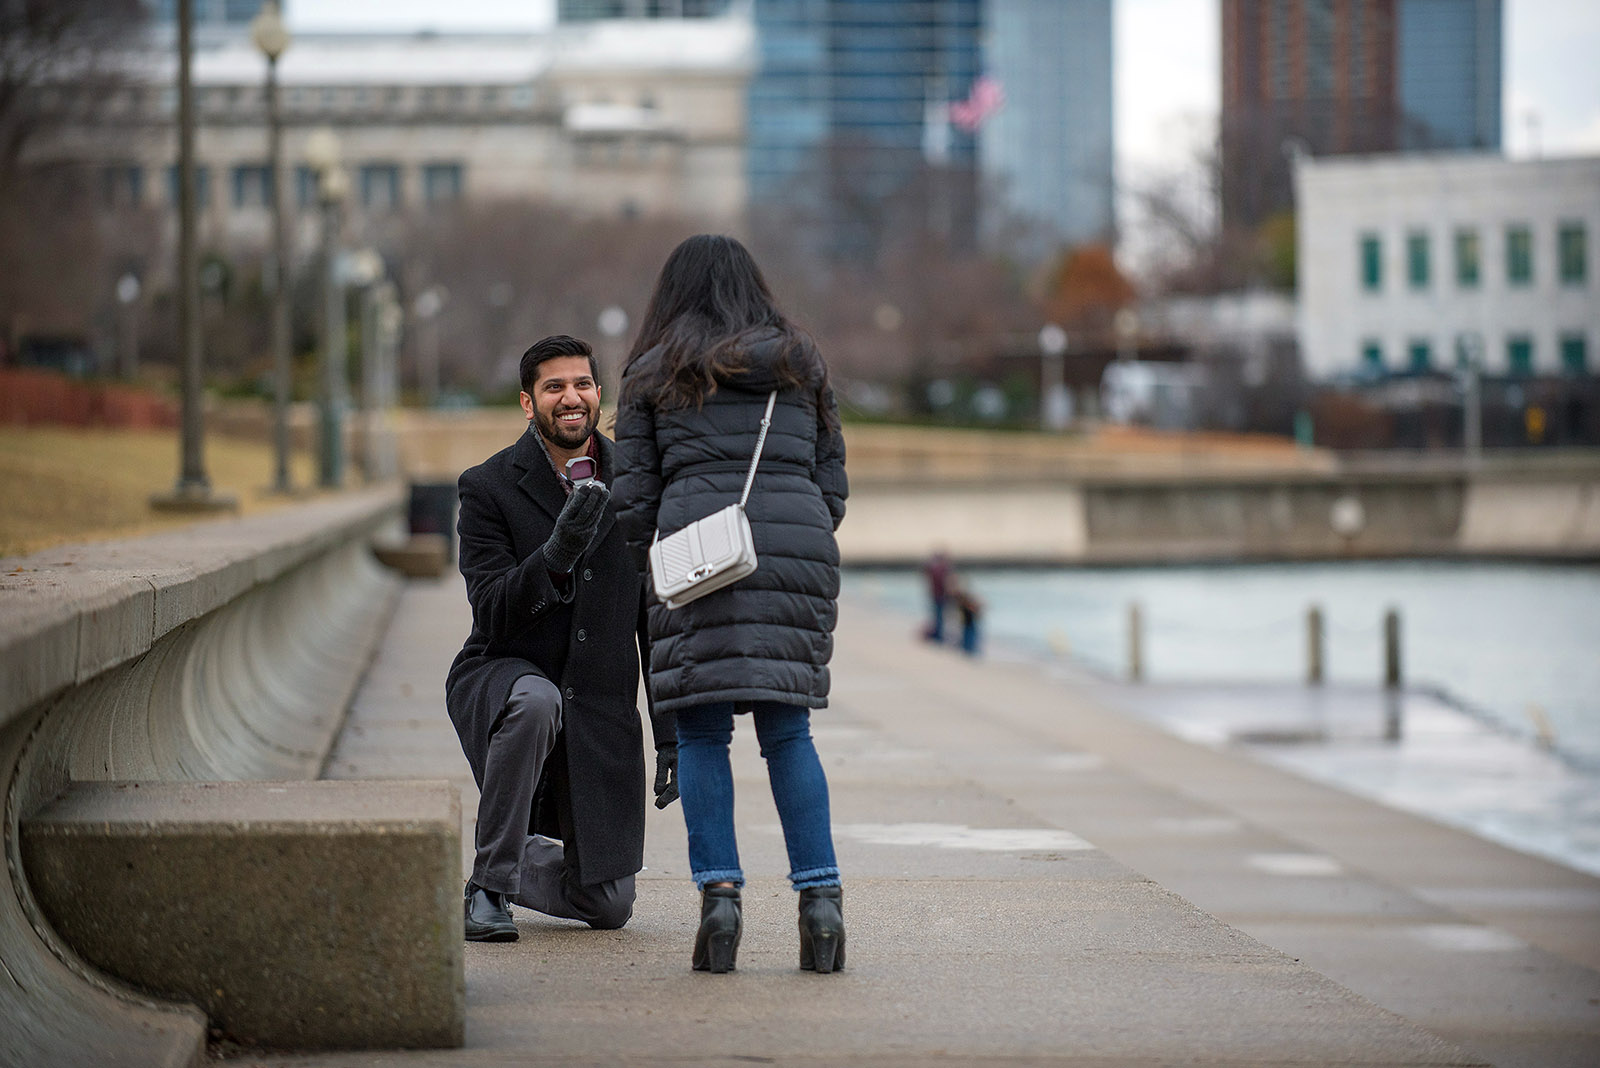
x: 297, y: 915
x: 72, y: 612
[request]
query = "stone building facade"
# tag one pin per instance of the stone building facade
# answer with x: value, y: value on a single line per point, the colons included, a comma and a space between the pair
x: 603, y: 118
x: 1424, y: 263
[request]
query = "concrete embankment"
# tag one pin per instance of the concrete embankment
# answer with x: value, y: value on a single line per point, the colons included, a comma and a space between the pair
x: 1522, y: 512
x: 1126, y: 496
x: 999, y: 832
x: 223, y: 651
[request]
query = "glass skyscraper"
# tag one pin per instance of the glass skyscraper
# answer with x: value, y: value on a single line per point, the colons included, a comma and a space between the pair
x: 1047, y: 152
x: 582, y: 10
x: 1448, y: 73
x: 846, y: 109
x: 210, y: 12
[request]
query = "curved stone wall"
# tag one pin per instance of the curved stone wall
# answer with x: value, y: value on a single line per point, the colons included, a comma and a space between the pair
x: 225, y: 651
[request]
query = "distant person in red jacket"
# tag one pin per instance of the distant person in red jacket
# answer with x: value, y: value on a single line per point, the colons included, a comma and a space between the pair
x: 938, y: 572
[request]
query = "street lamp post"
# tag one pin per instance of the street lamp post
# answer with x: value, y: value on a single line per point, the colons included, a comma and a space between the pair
x: 365, y: 273
x: 426, y: 308
x: 1470, y: 357
x: 193, y: 489
x: 1055, y: 409
x: 272, y: 38
x: 1126, y: 324
x: 612, y: 322
x: 128, y: 290
x: 322, y: 153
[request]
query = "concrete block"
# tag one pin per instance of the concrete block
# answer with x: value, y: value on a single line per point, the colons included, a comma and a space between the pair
x: 296, y: 915
x: 419, y: 556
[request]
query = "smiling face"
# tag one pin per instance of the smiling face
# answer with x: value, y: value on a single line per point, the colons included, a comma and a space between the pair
x: 564, y: 405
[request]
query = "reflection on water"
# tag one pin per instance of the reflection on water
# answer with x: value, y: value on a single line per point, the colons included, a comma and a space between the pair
x: 1518, y: 642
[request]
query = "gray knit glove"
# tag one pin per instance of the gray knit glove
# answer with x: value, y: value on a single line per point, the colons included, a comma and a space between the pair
x: 575, y: 526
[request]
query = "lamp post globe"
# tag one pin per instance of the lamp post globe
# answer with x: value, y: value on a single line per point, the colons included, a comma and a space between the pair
x: 268, y: 32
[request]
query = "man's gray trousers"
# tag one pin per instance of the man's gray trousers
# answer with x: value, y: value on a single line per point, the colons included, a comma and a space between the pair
x: 531, y: 869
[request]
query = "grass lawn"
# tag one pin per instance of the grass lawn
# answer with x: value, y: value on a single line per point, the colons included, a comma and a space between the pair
x: 65, y: 485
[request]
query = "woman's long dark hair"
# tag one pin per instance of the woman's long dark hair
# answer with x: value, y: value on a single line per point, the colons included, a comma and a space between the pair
x: 709, y: 303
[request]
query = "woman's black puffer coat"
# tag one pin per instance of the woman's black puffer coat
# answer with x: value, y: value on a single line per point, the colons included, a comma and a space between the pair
x: 769, y: 636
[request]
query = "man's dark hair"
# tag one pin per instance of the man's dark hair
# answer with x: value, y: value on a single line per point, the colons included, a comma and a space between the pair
x: 553, y: 348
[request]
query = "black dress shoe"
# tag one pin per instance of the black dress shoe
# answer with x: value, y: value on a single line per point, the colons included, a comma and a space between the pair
x: 716, y: 945
x: 822, y: 929
x: 488, y: 918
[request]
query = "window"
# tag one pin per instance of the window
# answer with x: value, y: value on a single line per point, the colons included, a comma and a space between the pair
x: 305, y: 186
x: 1371, y: 263
x: 1519, y: 354
x: 1574, y: 254
x: 252, y: 185
x: 1372, y: 358
x: 1467, y: 258
x: 1519, y: 255
x: 1575, y: 354
x: 441, y: 182
x: 1419, y: 355
x: 202, y: 185
x: 124, y: 185
x: 1417, y: 259
x: 380, y: 186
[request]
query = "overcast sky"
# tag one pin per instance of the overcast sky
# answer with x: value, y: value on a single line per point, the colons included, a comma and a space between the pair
x: 1167, y: 80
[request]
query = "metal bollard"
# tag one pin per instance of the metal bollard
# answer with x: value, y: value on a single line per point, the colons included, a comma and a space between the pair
x: 1391, y: 649
x: 1135, y: 644
x: 1314, y: 645
x: 1391, y: 676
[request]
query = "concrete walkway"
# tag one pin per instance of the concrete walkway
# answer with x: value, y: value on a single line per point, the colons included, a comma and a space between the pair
x: 984, y: 925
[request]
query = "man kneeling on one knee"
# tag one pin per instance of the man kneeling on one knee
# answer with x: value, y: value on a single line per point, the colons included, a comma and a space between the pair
x: 543, y: 693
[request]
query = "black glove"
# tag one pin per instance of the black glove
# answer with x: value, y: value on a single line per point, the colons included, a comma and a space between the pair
x: 666, y: 775
x: 575, y: 526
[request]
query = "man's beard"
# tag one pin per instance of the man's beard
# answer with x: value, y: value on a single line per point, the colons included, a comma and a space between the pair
x: 558, y: 433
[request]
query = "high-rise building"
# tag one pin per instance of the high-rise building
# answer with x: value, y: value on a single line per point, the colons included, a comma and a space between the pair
x: 1448, y: 73
x: 209, y: 13
x: 582, y: 10
x: 1333, y: 77
x: 847, y: 113
x: 1046, y: 152
x: 788, y: 110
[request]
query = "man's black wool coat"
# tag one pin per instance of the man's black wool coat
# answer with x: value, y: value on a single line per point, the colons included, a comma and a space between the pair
x: 587, y: 639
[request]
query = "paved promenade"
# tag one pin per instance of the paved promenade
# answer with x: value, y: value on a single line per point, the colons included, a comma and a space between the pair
x: 1030, y: 879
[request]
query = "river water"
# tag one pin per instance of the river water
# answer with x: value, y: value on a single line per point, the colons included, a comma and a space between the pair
x: 1501, y: 664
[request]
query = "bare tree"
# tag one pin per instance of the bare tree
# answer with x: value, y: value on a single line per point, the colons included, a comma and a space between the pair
x: 58, y: 65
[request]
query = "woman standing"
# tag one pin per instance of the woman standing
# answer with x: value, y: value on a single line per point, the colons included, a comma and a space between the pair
x: 712, y: 347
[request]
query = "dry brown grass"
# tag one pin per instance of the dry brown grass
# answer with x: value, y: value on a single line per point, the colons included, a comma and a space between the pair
x: 62, y: 486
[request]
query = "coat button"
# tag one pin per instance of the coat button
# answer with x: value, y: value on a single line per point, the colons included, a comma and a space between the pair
x: 568, y: 693
x: 587, y: 574
x: 583, y: 635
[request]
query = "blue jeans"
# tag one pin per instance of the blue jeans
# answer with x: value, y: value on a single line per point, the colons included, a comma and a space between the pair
x: 799, y: 787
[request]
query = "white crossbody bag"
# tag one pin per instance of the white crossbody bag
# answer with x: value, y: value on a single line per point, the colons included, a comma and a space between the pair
x: 709, y: 553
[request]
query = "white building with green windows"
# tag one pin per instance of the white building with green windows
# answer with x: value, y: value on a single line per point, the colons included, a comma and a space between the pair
x: 1423, y: 263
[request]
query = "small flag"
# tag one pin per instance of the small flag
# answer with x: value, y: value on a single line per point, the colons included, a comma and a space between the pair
x: 986, y: 98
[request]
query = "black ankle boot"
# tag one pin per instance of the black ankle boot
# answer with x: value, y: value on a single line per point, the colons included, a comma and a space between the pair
x: 717, y: 944
x: 822, y: 929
